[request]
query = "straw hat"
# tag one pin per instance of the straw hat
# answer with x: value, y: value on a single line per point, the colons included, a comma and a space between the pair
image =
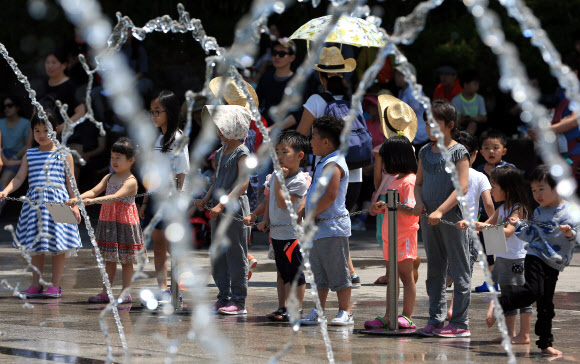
x: 233, y: 121
x: 332, y: 61
x: 401, y: 119
x: 231, y: 93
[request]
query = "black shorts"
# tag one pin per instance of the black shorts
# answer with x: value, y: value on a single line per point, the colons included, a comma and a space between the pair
x: 149, y: 213
x: 288, y: 260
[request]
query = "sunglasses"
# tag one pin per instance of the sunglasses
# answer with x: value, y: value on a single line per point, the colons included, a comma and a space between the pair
x: 156, y: 112
x: 8, y: 105
x: 280, y: 54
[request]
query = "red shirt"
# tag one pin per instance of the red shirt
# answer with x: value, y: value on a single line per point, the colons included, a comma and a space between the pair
x: 440, y: 92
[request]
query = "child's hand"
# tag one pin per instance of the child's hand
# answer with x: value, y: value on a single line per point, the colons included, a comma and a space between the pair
x: 284, y: 171
x: 566, y: 230
x: 214, y: 213
x: 419, y: 209
x: 435, y: 217
x: 200, y: 203
x: 77, y: 213
x: 71, y: 202
x: 462, y: 225
x: 512, y: 220
x: 3, y: 195
x: 142, y: 211
x: 262, y: 225
x: 249, y: 220
x: 379, y: 207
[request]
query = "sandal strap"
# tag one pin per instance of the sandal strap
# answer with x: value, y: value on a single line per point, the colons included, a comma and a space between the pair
x: 383, y: 321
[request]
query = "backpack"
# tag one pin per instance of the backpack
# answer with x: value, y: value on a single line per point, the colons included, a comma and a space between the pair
x: 360, y: 141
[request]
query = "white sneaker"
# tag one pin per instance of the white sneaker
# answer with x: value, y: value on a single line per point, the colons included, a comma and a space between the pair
x: 311, y: 319
x: 342, y: 319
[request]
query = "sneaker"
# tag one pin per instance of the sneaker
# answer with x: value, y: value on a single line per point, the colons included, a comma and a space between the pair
x: 100, y: 298
x: 219, y: 304
x: 253, y: 263
x: 311, y: 319
x: 232, y: 309
x: 428, y: 330
x: 451, y: 331
x: 276, y: 314
x: 52, y: 292
x: 355, y: 280
x: 484, y: 288
x: 33, y: 292
x: 343, y: 318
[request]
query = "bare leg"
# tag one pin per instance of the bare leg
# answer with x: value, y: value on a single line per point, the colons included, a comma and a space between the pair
x: 38, y: 262
x: 111, y: 269
x: 450, y: 309
x: 57, y: 269
x: 524, y: 336
x: 489, y: 317
x: 350, y: 265
x: 510, y: 322
x: 343, y: 299
x: 409, y: 287
x: 300, y: 291
x: 160, y: 249
x: 322, y: 294
x: 281, y: 290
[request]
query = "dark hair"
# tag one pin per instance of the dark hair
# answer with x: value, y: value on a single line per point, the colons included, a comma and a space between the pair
x: 297, y: 141
x: 170, y: 102
x: 469, y: 76
x: 334, y: 85
x: 542, y: 173
x: 492, y: 134
x: 124, y: 146
x: 398, y: 156
x: 36, y: 120
x: 329, y: 127
x: 15, y: 100
x: 444, y: 111
x: 468, y: 141
x: 59, y: 54
x: 511, y: 182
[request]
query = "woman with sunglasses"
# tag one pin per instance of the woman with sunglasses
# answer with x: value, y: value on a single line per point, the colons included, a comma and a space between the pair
x: 16, y: 138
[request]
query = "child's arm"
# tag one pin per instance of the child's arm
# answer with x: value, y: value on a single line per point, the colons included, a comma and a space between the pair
x: 129, y: 188
x: 278, y: 193
x: 462, y: 167
x: 259, y: 211
x: 523, y: 231
x: 266, y: 220
x: 419, y: 205
x: 237, y: 191
x: 201, y: 203
x: 301, y: 210
x: 510, y: 229
x: 378, y: 170
x: 331, y: 191
x: 9, y: 162
x: 462, y: 225
x: 92, y: 193
x: 17, y: 181
x: 75, y: 209
x: 487, y: 202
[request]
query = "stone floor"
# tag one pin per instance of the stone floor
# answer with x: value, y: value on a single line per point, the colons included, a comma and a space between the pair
x: 67, y: 329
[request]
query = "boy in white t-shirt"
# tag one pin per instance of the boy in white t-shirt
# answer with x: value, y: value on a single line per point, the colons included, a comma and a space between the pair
x: 478, y: 186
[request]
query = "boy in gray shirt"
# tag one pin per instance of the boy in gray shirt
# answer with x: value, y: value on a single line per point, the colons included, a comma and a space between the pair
x: 551, y: 235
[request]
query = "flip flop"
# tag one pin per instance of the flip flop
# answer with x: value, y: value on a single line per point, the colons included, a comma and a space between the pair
x: 382, y: 280
x: 376, y: 324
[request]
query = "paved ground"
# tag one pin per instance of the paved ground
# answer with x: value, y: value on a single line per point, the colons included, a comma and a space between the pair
x: 67, y: 330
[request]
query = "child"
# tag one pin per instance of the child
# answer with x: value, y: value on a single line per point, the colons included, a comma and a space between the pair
x: 435, y: 194
x: 118, y: 234
x: 65, y: 239
x: 329, y: 253
x: 541, y: 266
x: 469, y: 104
x: 478, y: 187
x: 493, y: 148
x: 399, y: 159
x: 291, y: 149
x: 230, y: 268
x: 508, y: 271
x: 165, y: 116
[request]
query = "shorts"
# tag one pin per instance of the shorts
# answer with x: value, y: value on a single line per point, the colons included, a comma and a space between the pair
x: 149, y: 213
x: 329, y: 261
x: 508, y: 271
x: 406, y: 248
x: 288, y: 260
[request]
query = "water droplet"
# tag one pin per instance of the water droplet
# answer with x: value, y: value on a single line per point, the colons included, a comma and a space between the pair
x: 174, y: 232
x: 557, y: 170
x: 279, y: 7
x: 251, y: 162
x: 224, y: 199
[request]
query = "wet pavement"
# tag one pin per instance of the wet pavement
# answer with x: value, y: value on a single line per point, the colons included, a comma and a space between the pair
x: 67, y: 329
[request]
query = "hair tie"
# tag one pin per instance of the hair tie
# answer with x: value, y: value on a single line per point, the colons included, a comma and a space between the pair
x: 400, y: 133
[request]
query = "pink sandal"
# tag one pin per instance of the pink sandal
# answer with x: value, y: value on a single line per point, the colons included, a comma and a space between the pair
x: 100, y: 298
x: 377, y: 324
x: 406, y: 323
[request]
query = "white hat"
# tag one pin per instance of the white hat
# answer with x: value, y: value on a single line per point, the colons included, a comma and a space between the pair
x: 233, y: 121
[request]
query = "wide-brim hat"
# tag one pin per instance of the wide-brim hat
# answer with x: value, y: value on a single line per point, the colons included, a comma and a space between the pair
x: 233, y: 121
x: 332, y: 61
x: 400, y: 118
x: 231, y: 93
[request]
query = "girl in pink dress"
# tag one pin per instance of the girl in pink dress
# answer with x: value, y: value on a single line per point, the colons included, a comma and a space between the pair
x: 118, y: 234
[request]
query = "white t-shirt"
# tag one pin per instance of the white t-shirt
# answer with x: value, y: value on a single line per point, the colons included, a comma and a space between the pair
x: 317, y: 106
x: 478, y: 183
x: 163, y: 161
x: 515, y: 246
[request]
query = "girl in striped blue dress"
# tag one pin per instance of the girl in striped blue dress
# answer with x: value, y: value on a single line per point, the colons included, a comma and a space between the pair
x: 64, y: 240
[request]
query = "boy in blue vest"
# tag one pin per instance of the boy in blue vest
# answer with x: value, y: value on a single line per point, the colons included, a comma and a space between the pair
x: 329, y: 254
